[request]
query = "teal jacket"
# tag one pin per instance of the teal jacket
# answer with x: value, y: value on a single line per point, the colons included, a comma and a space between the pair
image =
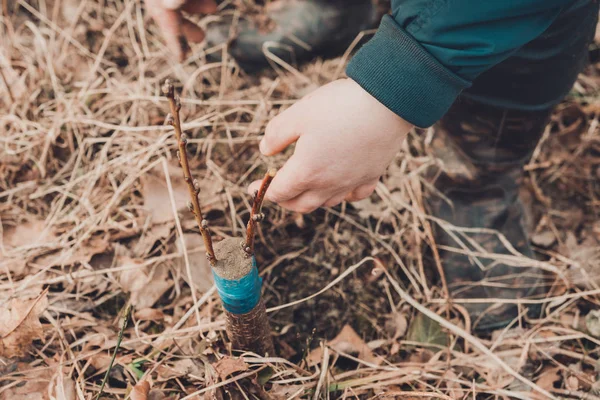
x: 428, y: 51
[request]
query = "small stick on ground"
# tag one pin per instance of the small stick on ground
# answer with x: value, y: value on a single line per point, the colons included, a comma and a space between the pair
x: 119, y: 339
x: 193, y: 184
x: 255, y: 215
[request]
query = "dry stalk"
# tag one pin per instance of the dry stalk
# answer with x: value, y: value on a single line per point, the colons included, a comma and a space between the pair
x: 8, y: 91
x: 193, y: 184
x: 255, y: 214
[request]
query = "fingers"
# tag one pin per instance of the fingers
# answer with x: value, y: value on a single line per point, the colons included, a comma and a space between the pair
x: 306, y: 202
x: 200, y: 7
x: 279, y: 133
x: 361, y: 192
x: 287, y: 184
x: 176, y: 29
x: 335, y: 200
x: 192, y: 32
x: 170, y: 24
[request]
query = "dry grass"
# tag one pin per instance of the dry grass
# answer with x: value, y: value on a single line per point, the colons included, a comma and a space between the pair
x: 92, y: 208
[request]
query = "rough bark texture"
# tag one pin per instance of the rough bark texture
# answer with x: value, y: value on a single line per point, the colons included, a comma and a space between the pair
x: 251, y: 331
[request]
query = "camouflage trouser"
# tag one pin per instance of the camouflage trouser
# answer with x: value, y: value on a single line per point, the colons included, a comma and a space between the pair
x: 483, y: 143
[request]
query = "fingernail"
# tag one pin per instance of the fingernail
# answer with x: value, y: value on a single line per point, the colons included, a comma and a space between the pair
x: 263, y: 146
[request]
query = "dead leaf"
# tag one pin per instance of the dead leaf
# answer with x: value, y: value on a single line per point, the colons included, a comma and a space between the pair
x: 149, y: 237
x: 548, y: 377
x: 179, y: 368
x: 157, y: 200
x: 149, y: 314
x: 15, y: 80
x: 82, y: 254
x: 586, y: 256
x: 34, y: 387
x: 20, y: 325
x: 572, y: 383
x: 396, y: 325
x: 284, y: 392
x: 63, y: 388
x: 202, y: 275
x: 69, y: 10
x: 544, y: 239
x: 347, y: 341
x: 592, y: 323
x: 145, y: 286
x: 101, y: 361
x: 228, y: 365
x: 367, y: 209
x: 29, y: 234
x: 452, y: 383
x: 140, y: 391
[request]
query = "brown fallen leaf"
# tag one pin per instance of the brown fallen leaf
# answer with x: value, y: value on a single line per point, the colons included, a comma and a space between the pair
x: 63, y: 388
x: 183, y: 367
x: 396, y: 325
x: 20, y: 324
x: 200, y: 269
x: 34, y: 385
x: 83, y: 254
x: 149, y: 314
x: 145, y: 285
x: 229, y: 365
x: 586, y: 256
x: 140, y: 391
x: 347, y: 341
x: 592, y: 323
x: 28, y: 233
x: 548, y: 377
x: 157, y: 200
x: 572, y: 383
x: 544, y: 239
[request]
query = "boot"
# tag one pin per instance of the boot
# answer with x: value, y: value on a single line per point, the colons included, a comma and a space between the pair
x: 294, y: 30
x: 483, y: 150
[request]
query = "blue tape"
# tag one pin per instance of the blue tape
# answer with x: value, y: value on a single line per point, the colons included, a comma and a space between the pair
x: 242, y: 295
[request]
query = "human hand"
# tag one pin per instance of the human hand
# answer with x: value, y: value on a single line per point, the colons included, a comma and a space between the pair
x: 345, y: 139
x: 176, y: 29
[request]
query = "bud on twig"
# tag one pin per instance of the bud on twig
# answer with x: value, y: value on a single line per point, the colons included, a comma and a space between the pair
x: 255, y: 214
x: 182, y: 140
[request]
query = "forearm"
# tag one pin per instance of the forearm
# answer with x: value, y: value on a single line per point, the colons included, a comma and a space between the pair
x: 427, y: 52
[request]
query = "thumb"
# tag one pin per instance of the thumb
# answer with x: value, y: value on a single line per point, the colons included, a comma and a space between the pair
x: 279, y: 133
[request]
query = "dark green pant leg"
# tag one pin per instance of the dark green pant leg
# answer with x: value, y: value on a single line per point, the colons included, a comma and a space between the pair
x: 541, y: 73
x: 483, y: 142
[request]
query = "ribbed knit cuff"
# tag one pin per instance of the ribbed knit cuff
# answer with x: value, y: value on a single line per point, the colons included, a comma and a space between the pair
x: 404, y: 77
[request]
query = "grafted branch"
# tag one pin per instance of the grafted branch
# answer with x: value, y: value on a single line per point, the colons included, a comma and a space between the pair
x: 255, y: 215
x: 193, y: 184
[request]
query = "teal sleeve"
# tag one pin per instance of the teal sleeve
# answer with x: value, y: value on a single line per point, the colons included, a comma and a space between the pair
x: 428, y: 51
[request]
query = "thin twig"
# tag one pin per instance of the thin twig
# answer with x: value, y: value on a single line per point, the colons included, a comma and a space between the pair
x: 112, y: 359
x: 193, y: 184
x: 255, y: 214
